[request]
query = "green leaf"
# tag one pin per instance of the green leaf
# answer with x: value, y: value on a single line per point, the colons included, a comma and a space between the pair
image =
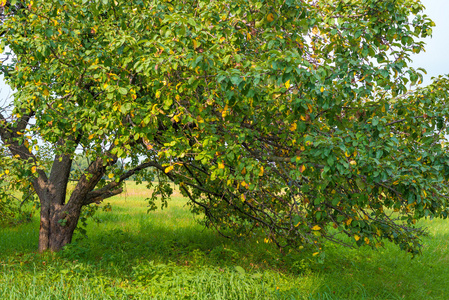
x: 123, y: 91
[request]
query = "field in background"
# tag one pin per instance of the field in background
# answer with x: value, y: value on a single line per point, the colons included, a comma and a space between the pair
x: 166, y: 254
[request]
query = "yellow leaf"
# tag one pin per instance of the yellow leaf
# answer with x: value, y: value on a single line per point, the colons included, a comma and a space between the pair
x: 6, y: 171
x: 168, y: 169
x: 316, y: 227
x: 243, y: 197
x: 110, y: 175
x: 293, y: 127
x: 248, y: 36
x: 316, y: 253
x: 45, y: 92
x: 270, y: 18
x: 356, y: 237
x: 177, y: 117
x: 322, y: 89
x: 243, y: 183
x: 221, y: 165
x: 195, y: 44
x: 261, y: 171
x: 419, y: 158
x: 33, y: 169
x: 366, y: 240
x: 310, y: 107
x: 224, y: 113
x: 348, y: 221
x: 302, y: 168
x: 222, y: 39
x: 425, y: 194
x: 3, y: 3
x: 303, y: 118
x: 347, y: 154
x: 287, y: 84
x: 353, y: 162
x: 91, y: 136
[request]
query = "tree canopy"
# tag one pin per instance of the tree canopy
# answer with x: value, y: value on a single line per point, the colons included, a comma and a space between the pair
x: 299, y: 119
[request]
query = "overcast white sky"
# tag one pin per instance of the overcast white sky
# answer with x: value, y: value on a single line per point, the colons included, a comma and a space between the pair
x: 435, y: 60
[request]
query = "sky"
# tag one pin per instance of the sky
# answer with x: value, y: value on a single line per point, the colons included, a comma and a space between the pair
x: 435, y: 60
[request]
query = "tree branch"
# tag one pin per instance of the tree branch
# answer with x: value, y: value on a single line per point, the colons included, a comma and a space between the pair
x: 10, y: 138
x: 60, y: 171
x: 110, y: 190
x: 402, y: 120
x: 88, y: 181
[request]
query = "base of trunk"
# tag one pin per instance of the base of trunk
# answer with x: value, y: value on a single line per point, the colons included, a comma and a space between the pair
x: 57, y: 229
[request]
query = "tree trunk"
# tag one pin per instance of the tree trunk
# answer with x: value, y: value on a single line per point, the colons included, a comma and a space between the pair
x: 44, y: 230
x: 57, y: 224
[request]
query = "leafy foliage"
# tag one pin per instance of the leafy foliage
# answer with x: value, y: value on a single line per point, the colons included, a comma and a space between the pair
x: 289, y: 117
x: 12, y: 211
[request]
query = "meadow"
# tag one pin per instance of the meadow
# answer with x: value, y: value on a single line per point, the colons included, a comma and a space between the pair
x: 167, y: 254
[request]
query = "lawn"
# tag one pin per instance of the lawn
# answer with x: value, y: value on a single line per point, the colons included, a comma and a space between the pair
x: 166, y: 254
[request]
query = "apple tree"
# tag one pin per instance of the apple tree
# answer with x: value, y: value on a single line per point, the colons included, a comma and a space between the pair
x: 298, y: 119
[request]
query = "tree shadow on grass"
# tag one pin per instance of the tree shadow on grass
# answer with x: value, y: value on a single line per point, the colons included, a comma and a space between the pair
x: 146, y: 250
x: 147, y: 259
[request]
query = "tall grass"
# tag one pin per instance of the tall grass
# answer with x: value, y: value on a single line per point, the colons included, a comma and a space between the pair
x: 166, y: 254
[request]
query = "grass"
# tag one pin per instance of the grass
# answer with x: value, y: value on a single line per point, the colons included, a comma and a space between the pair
x: 165, y: 254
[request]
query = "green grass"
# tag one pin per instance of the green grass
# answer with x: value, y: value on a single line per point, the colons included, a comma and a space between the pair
x: 165, y: 254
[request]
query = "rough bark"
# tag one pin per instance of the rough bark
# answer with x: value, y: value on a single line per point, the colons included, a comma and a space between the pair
x: 44, y: 230
x: 57, y: 225
x: 62, y: 225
